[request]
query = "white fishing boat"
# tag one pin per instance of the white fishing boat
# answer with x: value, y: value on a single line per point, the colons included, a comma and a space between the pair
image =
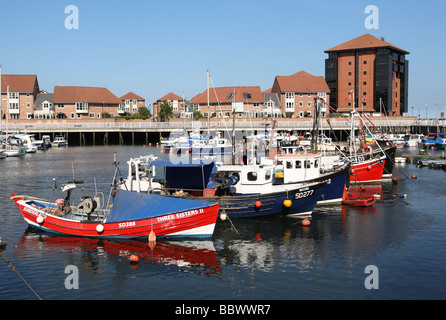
x: 27, y: 142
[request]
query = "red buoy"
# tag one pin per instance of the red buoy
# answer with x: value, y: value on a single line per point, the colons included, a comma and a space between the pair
x: 258, y: 204
x: 134, y: 258
x: 306, y: 222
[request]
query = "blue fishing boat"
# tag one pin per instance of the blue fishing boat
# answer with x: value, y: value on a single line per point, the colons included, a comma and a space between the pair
x: 245, y: 191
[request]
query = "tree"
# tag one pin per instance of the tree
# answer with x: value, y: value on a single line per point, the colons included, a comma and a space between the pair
x: 144, y: 112
x: 165, y: 111
x: 197, y: 115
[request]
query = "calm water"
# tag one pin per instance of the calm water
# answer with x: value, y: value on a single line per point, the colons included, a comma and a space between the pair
x: 404, y: 237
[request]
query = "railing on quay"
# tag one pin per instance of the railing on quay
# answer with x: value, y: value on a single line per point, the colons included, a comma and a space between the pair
x: 142, y: 126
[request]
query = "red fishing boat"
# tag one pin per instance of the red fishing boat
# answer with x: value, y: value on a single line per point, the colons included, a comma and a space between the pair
x: 132, y: 215
x: 367, y: 171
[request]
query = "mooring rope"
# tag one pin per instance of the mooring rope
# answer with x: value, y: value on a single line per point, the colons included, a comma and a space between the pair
x: 14, y: 269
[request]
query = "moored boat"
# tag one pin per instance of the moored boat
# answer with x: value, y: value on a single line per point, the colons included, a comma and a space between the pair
x: 133, y: 215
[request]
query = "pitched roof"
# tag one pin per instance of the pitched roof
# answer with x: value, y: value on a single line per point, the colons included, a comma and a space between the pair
x: 131, y: 96
x: 19, y: 82
x: 42, y: 97
x: 170, y: 96
x: 84, y: 94
x: 230, y: 94
x: 362, y: 42
x: 302, y: 82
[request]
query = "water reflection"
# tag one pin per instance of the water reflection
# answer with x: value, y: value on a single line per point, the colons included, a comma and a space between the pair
x: 198, y: 257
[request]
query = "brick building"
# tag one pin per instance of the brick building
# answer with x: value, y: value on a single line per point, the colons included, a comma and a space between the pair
x: 372, y: 71
x: 23, y: 90
x: 132, y: 102
x: 176, y: 102
x: 297, y: 92
x: 85, y: 103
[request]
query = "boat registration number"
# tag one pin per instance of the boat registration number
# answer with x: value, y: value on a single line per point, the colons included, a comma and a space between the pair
x: 127, y: 224
x: 304, y: 194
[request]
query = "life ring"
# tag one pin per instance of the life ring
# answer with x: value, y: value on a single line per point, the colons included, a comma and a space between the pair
x: 367, y: 149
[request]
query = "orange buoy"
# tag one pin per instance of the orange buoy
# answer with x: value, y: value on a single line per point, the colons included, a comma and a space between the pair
x: 134, y: 258
x: 306, y: 222
x: 152, y: 236
x: 257, y: 204
x: 414, y: 176
x: 369, y: 167
x: 362, y: 188
x: 287, y: 203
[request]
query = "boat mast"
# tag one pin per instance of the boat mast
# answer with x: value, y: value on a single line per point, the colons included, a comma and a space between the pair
x: 209, y: 111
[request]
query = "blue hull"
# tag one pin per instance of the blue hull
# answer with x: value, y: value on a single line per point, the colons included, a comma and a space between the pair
x: 303, y: 202
x: 334, y: 191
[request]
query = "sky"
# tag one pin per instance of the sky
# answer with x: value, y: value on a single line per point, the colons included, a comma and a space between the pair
x: 152, y: 48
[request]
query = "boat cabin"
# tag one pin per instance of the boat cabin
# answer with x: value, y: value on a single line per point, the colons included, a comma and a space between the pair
x: 300, y: 167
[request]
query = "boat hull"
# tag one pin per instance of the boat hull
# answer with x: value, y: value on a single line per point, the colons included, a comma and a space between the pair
x: 199, y: 223
x: 303, y: 201
x: 367, y: 171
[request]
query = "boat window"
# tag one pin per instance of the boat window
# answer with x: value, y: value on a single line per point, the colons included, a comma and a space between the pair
x: 252, y: 176
x: 298, y: 164
x: 316, y: 163
x: 268, y: 175
x: 307, y: 164
x: 289, y: 165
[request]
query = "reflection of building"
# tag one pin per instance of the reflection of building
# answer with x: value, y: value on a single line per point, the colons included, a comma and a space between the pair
x: 85, y: 103
x: 23, y: 90
x: 175, y: 101
x: 247, y: 102
x: 298, y: 91
x: 132, y: 102
x: 374, y: 69
x: 43, y: 106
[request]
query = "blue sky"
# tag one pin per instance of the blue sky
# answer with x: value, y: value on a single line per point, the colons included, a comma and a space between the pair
x: 156, y: 47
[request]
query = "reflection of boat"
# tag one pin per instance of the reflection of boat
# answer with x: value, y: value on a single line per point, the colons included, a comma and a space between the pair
x: 198, y: 256
x: 133, y: 215
x: 412, y: 140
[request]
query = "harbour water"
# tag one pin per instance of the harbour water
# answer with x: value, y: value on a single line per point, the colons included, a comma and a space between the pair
x: 402, y: 237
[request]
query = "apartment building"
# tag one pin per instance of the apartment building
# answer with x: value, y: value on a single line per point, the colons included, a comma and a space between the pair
x: 177, y: 103
x: 18, y: 93
x: 132, y: 102
x: 297, y: 93
x: 73, y: 102
x: 246, y: 101
x: 369, y: 74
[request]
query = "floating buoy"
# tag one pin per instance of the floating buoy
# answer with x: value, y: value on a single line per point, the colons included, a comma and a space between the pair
x: 99, y: 228
x: 287, y: 203
x: 223, y: 216
x: 369, y: 167
x: 257, y: 204
x: 152, y: 236
x: 395, y: 180
x: 414, y: 176
x: 39, y: 219
x: 306, y: 222
x: 134, y: 258
x: 150, y: 144
x: 403, y: 196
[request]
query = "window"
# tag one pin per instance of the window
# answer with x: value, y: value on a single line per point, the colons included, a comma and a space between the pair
x: 364, y: 83
x: 91, y: 115
x: 246, y: 95
x: 349, y: 83
x: 72, y: 115
x: 13, y: 95
x: 268, y: 175
x: 349, y: 73
x: 60, y: 105
x: 364, y: 93
x: 308, y: 104
x: 252, y: 176
x: 289, y: 165
x: 307, y: 164
x: 365, y: 72
x: 28, y: 105
x: 230, y: 96
x: 13, y: 106
x: 301, y: 104
x: 99, y: 115
x: 298, y: 164
x: 364, y: 62
x: 289, y: 95
x: 81, y: 106
x: 301, y: 94
x: 316, y: 163
x: 290, y: 105
x: 349, y: 63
